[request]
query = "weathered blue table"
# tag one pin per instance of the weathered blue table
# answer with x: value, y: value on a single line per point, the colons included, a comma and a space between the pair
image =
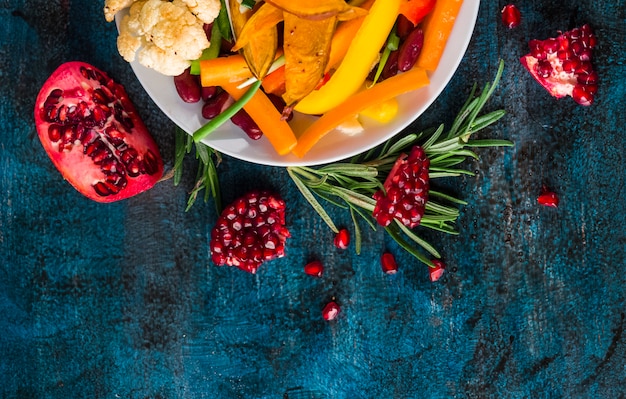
x: 121, y: 300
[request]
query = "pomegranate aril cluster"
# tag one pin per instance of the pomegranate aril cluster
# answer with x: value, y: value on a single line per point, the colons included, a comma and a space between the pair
x: 563, y: 64
x: 406, y: 191
x: 250, y: 231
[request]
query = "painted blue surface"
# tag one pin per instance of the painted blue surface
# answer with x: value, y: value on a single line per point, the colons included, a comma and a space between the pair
x: 121, y: 301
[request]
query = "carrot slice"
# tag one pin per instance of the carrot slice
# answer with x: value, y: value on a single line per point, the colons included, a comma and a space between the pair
x: 383, y: 91
x: 267, y: 117
x: 437, y: 27
x: 275, y: 82
x: 224, y: 70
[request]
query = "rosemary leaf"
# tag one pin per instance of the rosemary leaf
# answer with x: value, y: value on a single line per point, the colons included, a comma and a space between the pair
x: 357, y: 232
x: 419, y: 240
x: 308, y: 195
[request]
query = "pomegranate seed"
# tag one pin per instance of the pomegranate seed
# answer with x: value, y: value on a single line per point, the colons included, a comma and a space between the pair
x: 551, y: 45
x: 511, y: 16
x: 342, y: 239
x: 436, y: 272
x: 388, y: 263
x: 582, y: 96
x: 331, y: 311
x: 548, y: 198
x: 314, y: 268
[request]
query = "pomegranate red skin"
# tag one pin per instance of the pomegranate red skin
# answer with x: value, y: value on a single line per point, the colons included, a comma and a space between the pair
x: 126, y: 160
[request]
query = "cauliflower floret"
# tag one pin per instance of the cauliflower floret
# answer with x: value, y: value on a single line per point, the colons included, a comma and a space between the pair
x: 153, y: 57
x: 173, y: 28
x: 164, y: 35
x: 111, y: 7
x: 205, y: 10
x: 130, y: 39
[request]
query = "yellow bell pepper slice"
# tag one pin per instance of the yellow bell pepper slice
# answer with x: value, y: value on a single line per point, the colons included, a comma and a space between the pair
x: 358, y: 61
x: 383, y: 112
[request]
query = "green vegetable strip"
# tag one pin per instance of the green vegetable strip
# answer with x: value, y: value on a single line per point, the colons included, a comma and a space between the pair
x: 228, y: 113
x: 212, y: 52
x: 393, y: 41
x: 248, y: 3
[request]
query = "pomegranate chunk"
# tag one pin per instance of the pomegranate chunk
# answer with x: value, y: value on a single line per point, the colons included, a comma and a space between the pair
x: 388, y: 263
x: 406, y: 190
x: 548, y: 198
x: 250, y: 231
x: 93, y: 134
x: 331, y: 311
x: 436, y: 272
x: 314, y: 268
x: 511, y: 16
x: 342, y: 239
x: 562, y: 64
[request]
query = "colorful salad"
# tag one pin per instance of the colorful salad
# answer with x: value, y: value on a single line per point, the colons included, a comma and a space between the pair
x: 258, y: 62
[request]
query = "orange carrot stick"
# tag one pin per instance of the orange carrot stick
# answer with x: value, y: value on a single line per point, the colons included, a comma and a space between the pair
x: 223, y: 70
x: 275, y: 82
x: 383, y: 91
x: 267, y: 117
x: 437, y: 27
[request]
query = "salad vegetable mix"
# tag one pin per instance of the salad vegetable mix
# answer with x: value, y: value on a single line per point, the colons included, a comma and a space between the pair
x: 330, y: 59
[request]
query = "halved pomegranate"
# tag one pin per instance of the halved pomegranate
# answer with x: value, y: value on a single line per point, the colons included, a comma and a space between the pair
x: 562, y: 64
x: 93, y: 134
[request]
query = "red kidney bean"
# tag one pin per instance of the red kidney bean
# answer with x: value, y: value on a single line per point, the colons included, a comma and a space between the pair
x: 403, y: 26
x: 247, y: 124
x: 209, y: 92
x: 188, y: 87
x: 410, y: 50
x: 215, y: 105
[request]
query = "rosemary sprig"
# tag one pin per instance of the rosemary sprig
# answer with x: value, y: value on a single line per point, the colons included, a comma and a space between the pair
x: 207, y: 178
x: 351, y: 184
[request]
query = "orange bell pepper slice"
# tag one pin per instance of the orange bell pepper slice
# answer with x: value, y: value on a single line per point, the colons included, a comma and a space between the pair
x: 383, y: 91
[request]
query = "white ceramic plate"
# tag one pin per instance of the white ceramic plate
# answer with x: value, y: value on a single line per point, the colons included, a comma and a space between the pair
x: 335, y: 146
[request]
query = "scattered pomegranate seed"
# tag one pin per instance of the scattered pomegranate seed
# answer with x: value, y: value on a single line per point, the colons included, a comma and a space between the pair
x: 342, y: 239
x: 331, y: 311
x: 548, y: 198
x: 436, y: 272
x: 388, y: 263
x: 314, y: 268
x: 511, y: 16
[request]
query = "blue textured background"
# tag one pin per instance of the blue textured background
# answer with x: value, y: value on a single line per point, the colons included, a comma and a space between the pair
x: 121, y: 301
